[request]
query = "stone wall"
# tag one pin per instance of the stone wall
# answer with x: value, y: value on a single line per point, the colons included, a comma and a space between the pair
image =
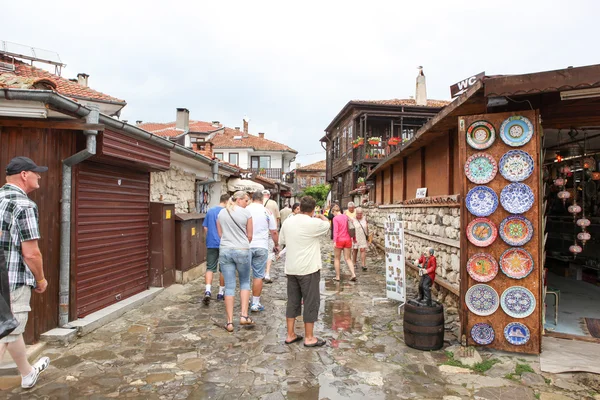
x: 175, y: 186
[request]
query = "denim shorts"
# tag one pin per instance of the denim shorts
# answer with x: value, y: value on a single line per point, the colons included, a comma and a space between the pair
x: 259, y: 262
x: 230, y: 261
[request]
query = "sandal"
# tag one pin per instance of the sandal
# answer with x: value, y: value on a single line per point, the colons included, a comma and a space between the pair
x: 336, y: 279
x: 364, y: 268
x: 247, y: 320
x: 353, y: 279
x: 318, y: 343
x: 226, y: 327
x: 297, y: 339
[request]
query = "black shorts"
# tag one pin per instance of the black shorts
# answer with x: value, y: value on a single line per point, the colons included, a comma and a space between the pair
x: 212, y: 259
x: 304, y: 287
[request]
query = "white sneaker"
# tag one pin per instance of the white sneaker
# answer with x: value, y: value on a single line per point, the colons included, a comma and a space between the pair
x: 29, y: 381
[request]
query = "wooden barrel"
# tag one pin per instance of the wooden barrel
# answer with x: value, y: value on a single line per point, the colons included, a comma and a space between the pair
x: 424, y: 326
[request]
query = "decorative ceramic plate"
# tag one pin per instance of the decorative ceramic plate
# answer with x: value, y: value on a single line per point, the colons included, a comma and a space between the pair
x: 482, y: 267
x: 482, y: 232
x: 481, y: 168
x: 482, y: 333
x: 516, y: 131
x: 518, y: 302
x: 516, y: 263
x: 516, y: 230
x: 481, y: 135
x: 481, y: 201
x: 482, y: 300
x: 516, y: 333
x: 516, y: 198
x: 516, y: 165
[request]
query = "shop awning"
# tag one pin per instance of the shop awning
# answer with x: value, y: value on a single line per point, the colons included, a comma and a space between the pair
x: 246, y: 185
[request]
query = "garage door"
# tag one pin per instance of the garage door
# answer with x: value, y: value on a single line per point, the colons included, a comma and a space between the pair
x: 111, y: 235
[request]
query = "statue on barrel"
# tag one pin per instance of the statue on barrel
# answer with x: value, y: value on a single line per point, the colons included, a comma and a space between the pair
x: 427, y: 266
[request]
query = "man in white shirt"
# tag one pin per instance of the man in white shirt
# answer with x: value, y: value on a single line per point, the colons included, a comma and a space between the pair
x: 302, y: 235
x: 272, y: 206
x: 264, y: 226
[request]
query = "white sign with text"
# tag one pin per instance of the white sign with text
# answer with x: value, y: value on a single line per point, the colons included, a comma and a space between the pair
x: 395, y: 272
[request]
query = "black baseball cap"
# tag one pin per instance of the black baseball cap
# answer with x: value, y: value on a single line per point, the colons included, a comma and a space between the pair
x: 20, y: 164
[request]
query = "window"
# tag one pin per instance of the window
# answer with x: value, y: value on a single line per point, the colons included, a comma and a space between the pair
x: 302, y: 182
x: 234, y: 158
x: 219, y: 156
x: 313, y: 181
x: 260, y: 162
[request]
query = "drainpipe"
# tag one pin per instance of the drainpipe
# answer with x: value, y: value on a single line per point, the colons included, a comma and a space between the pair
x: 65, y: 217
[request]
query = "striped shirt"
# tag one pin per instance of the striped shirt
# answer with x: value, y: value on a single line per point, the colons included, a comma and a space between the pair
x: 19, y: 223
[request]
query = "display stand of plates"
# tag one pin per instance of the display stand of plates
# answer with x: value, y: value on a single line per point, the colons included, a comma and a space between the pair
x: 516, y: 230
x: 516, y: 263
x: 516, y: 131
x: 482, y: 232
x: 516, y: 333
x: 516, y: 165
x: 481, y: 201
x: 482, y: 267
x: 482, y: 300
x: 481, y: 135
x: 516, y: 198
x: 482, y: 333
x: 517, y: 302
x: 481, y: 168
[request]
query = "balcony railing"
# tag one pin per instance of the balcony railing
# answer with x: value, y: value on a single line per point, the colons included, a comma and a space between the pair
x: 271, y: 173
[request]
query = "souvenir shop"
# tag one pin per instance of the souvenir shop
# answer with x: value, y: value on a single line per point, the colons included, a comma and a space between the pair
x: 531, y: 209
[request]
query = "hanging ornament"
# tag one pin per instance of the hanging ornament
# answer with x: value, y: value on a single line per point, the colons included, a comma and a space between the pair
x: 564, y: 195
x: 565, y: 170
x: 596, y: 176
x: 584, y: 237
x: 560, y: 181
x: 574, y: 209
x: 575, y: 249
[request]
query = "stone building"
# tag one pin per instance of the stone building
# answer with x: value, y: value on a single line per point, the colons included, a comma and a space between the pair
x: 307, y: 176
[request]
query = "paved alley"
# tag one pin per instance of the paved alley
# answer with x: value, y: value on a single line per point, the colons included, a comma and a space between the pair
x: 171, y: 348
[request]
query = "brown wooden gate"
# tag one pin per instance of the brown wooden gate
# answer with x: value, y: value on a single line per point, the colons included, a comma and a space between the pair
x: 111, y: 234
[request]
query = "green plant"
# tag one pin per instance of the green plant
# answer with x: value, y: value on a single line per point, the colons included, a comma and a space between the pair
x: 317, y: 192
x: 485, y: 365
x: 521, y: 368
x: 360, y: 180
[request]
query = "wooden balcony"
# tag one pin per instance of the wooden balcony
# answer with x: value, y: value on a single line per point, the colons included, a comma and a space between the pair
x: 271, y: 173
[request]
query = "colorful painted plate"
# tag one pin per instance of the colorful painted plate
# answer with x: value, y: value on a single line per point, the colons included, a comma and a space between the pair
x: 516, y: 230
x: 482, y: 333
x: 482, y: 267
x: 516, y: 131
x: 516, y: 165
x: 516, y: 198
x: 481, y: 168
x: 516, y: 263
x: 516, y: 333
x: 481, y: 201
x: 518, y: 302
x: 481, y: 135
x: 482, y: 232
x: 482, y: 300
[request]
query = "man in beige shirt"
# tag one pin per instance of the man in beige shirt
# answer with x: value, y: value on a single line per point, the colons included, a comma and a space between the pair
x: 302, y: 235
x: 272, y: 206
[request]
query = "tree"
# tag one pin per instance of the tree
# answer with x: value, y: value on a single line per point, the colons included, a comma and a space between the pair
x: 318, y: 192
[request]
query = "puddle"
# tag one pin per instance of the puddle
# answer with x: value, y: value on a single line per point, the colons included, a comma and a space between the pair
x: 331, y: 388
x: 341, y: 316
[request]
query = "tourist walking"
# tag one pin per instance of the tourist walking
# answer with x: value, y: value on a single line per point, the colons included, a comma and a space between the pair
x: 302, y: 235
x: 361, y: 241
x: 213, y: 241
x: 351, y: 210
x: 285, y: 212
x: 235, y: 229
x: 262, y: 247
x: 19, y: 236
x: 272, y: 206
x: 342, y: 242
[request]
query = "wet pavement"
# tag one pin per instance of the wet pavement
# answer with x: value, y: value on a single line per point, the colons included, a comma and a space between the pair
x: 171, y: 348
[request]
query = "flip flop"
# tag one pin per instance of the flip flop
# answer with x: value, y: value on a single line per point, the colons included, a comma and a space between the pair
x: 298, y: 338
x: 353, y: 279
x: 318, y: 343
x: 336, y: 279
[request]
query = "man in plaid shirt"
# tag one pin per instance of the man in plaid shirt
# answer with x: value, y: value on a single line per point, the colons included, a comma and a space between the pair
x: 19, y: 237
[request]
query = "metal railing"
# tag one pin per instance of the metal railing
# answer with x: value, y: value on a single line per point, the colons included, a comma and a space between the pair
x: 271, y: 173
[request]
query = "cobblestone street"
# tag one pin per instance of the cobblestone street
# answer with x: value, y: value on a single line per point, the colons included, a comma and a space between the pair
x: 171, y: 348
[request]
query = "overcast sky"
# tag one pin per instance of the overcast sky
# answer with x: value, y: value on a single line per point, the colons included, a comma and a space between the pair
x: 291, y: 66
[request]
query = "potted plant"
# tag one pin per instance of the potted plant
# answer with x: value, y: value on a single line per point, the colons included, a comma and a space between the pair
x: 360, y: 182
x: 394, y: 141
x: 356, y: 143
x: 262, y: 171
x: 375, y: 140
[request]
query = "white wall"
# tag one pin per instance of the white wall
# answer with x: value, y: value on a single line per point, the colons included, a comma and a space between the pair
x: 278, y: 158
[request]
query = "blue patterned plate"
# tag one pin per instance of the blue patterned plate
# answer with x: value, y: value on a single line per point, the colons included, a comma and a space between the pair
x: 516, y: 198
x: 481, y: 168
x: 516, y: 165
x: 482, y: 333
x: 517, y: 302
x: 482, y: 300
x: 516, y: 333
x: 516, y: 230
x: 516, y: 131
x: 481, y: 201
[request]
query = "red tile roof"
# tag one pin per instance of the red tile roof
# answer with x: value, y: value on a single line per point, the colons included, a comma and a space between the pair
x: 403, y: 102
x: 63, y: 86
x: 225, y: 140
x: 168, y: 129
x: 318, y: 166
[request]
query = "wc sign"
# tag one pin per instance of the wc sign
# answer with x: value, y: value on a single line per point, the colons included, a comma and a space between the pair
x: 460, y: 87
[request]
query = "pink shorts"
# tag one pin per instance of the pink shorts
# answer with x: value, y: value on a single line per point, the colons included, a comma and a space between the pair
x: 343, y: 244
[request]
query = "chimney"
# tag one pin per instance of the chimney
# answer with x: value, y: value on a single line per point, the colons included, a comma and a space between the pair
x: 82, y: 79
x: 138, y: 122
x: 261, y: 135
x: 182, y: 121
x: 216, y: 124
x: 421, y: 92
x: 245, y: 126
x: 237, y: 128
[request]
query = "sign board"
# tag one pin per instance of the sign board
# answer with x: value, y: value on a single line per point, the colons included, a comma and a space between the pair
x: 246, y: 175
x: 395, y: 272
x: 421, y: 193
x: 460, y: 87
